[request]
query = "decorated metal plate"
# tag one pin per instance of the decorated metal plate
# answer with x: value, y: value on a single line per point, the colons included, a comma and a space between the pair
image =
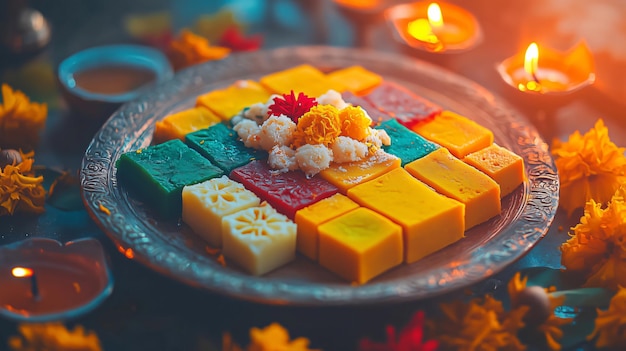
x: 171, y: 248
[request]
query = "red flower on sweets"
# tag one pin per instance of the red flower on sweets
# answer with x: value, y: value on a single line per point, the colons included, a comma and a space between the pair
x: 411, y: 338
x: 291, y: 106
x: 234, y: 39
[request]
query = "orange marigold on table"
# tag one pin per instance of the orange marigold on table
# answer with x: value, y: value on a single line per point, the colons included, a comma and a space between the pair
x: 190, y: 49
x: 540, y: 315
x: 480, y: 325
x: 610, y: 326
x: 355, y: 123
x: 590, y: 167
x: 20, y: 120
x: 320, y: 125
x: 597, y: 247
x: 20, y: 189
x: 274, y: 337
x: 54, y: 337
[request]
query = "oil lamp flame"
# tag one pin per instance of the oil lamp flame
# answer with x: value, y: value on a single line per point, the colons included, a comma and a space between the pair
x: 531, y: 60
x: 434, y: 15
x: 21, y: 272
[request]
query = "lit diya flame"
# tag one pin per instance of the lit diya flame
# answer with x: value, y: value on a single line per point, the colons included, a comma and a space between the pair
x: 531, y: 65
x: 435, y: 19
x: 21, y: 272
x: 423, y: 29
x: 557, y: 73
x: 422, y: 25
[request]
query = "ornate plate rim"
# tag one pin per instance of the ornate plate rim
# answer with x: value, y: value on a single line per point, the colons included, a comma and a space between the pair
x: 97, y: 177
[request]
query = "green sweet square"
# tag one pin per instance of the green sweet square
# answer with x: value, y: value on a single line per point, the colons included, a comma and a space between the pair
x: 405, y: 144
x: 221, y: 145
x: 158, y: 174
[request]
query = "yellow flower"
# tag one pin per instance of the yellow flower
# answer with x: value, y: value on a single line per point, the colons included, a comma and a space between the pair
x: 481, y: 325
x: 53, y: 337
x: 321, y: 125
x: 20, y: 120
x: 540, y: 314
x: 20, y: 189
x: 590, y: 167
x: 355, y: 123
x: 597, y: 248
x: 275, y: 338
x: 610, y: 328
x: 190, y: 49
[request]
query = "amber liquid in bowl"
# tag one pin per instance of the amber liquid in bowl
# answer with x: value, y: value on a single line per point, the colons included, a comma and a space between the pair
x: 114, y: 79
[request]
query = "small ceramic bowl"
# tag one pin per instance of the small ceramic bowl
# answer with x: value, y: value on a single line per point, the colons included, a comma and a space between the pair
x: 97, y: 106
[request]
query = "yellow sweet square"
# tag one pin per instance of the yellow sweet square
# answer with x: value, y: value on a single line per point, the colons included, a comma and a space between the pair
x: 460, y: 181
x: 304, y: 78
x: 429, y: 221
x: 356, y: 79
x: 502, y: 165
x: 177, y: 125
x: 458, y: 134
x: 359, y: 245
x: 311, y: 217
x: 230, y: 101
x: 346, y: 175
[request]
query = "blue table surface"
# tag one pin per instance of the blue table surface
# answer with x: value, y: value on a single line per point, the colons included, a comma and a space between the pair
x: 148, y: 311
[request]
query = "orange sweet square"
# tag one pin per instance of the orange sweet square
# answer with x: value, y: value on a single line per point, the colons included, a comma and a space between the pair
x: 502, y: 165
x: 356, y: 79
x: 230, y: 101
x: 177, y: 125
x: 304, y: 78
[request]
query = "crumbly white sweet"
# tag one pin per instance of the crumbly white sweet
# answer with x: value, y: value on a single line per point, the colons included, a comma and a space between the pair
x: 276, y: 130
x: 313, y: 159
x: 282, y: 159
x: 346, y: 149
x: 334, y: 98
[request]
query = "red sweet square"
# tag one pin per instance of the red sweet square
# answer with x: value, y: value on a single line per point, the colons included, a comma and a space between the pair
x: 286, y: 192
x: 398, y: 102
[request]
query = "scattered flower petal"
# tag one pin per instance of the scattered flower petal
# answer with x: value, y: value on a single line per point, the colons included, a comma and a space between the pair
x: 54, y: 337
x: 480, y: 325
x: 275, y: 337
x: 234, y: 39
x: 610, y: 324
x: 410, y: 339
x: 20, y: 120
x: 540, y: 315
x: 20, y: 189
x: 190, y: 49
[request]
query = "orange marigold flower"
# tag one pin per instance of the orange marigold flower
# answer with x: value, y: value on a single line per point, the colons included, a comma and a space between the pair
x: 54, y: 337
x: 597, y: 247
x: 610, y: 324
x: 20, y: 120
x: 321, y: 125
x: 190, y: 49
x: 275, y: 337
x: 480, y: 325
x: 590, y: 167
x: 20, y: 189
x: 541, y: 305
x: 355, y: 123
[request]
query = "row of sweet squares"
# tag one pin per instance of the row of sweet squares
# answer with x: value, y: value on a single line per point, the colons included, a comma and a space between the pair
x: 329, y: 228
